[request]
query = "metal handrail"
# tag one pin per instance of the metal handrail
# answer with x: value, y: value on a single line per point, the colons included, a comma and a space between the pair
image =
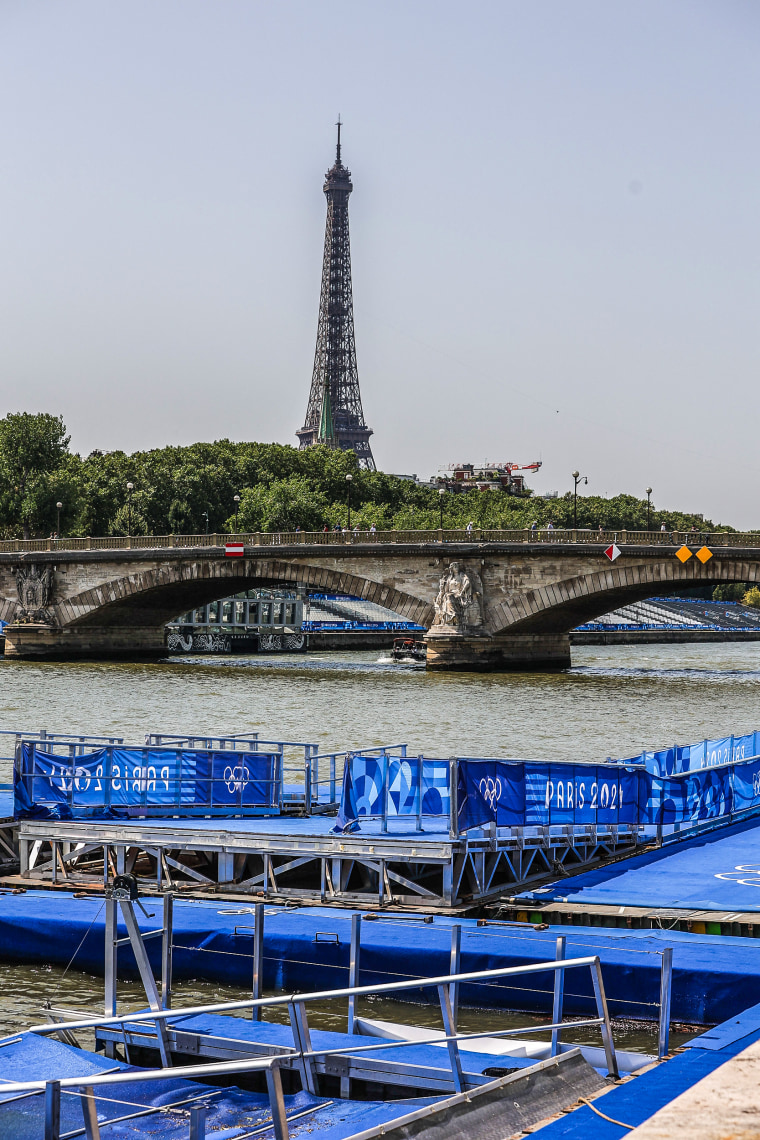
x: 543, y: 536
x: 303, y: 1054
x: 550, y: 965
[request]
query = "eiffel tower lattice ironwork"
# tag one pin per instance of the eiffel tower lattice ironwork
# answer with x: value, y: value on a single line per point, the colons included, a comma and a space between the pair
x: 334, y: 415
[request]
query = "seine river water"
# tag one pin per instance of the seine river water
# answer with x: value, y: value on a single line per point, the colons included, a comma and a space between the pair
x: 614, y: 701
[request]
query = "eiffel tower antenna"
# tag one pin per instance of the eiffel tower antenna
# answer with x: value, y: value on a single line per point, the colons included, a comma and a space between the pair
x: 335, y: 379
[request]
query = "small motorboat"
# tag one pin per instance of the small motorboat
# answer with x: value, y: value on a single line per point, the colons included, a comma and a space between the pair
x: 407, y: 649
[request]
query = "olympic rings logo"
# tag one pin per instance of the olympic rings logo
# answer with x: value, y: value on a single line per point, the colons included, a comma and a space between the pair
x: 490, y: 790
x: 236, y: 778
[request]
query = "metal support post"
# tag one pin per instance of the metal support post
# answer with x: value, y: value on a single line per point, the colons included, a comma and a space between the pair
x: 602, y: 1012
x: 453, y: 1047
x: 147, y: 979
x: 302, y: 1042
x: 455, y: 968
x: 666, y: 981
x: 354, y: 967
x: 90, y: 1113
x: 420, y: 769
x: 559, y: 993
x: 110, y: 954
x: 384, y: 797
x: 258, y: 957
x: 198, y: 1121
x: 53, y: 1110
x: 307, y: 783
x: 454, y: 809
x: 277, y: 1102
x: 167, y: 942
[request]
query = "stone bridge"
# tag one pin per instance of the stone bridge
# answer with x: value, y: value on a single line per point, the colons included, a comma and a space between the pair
x: 491, y: 601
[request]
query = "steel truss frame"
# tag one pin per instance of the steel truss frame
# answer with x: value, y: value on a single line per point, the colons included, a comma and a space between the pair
x: 415, y: 871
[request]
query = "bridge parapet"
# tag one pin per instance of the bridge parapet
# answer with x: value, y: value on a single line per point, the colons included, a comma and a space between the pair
x: 543, y: 537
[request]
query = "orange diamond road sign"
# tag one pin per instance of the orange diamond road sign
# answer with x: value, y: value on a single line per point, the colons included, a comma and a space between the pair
x: 683, y: 554
x: 704, y: 555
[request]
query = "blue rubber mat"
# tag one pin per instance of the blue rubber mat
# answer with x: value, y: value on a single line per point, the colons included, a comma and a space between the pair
x: 308, y: 948
x: 718, y: 871
x: 232, y: 1112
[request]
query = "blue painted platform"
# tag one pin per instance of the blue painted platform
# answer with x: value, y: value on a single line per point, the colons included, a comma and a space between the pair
x: 718, y: 871
x: 713, y: 977
x: 635, y: 1100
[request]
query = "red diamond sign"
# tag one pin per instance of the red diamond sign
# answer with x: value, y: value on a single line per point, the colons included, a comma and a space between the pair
x: 612, y: 552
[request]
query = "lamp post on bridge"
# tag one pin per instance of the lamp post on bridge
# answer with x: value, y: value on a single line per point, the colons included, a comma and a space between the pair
x: 441, y: 493
x: 649, y: 508
x: 349, y: 480
x: 237, y: 504
x: 204, y: 515
x: 58, y: 509
x: 130, y: 489
x: 577, y: 478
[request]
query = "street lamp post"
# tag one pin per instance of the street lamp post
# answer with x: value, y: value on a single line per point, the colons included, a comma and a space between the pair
x: 577, y: 478
x: 58, y: 509
x: 204, y: 515
x: 649, y: 508
x: 237, y: 504
x: 349, y: 480
x: 441, y: 493
x: 130, y: 489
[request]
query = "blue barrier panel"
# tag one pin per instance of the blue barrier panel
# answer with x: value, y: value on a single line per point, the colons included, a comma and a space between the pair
x: 388, y: 787
x: 683, y: 784
x: 534, y: 794
x: 127, y: 782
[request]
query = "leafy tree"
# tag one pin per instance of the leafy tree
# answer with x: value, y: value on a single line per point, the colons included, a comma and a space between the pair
x: 283, y: 505
x: 730, y: 592
x: 32, y: 448
x: 752, y: 597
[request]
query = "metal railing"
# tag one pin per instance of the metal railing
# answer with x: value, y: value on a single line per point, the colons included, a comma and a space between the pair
x: 542, y: 536
x: 302, y: 1056
x: 74, y: 744
x: 160, y: 779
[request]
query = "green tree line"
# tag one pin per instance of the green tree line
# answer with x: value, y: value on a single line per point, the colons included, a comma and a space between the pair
x: 178, y: 490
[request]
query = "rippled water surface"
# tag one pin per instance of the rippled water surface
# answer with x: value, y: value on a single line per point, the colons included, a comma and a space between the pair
x: 614, y: 701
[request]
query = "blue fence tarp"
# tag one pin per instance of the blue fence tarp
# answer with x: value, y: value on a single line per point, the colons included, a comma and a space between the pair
x: 112, y: 781
x: 709, y: 780
x: 416, y: 786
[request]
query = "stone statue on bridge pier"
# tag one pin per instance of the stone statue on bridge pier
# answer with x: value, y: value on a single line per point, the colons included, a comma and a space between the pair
x: 459, y: 603
x: 34, y: 586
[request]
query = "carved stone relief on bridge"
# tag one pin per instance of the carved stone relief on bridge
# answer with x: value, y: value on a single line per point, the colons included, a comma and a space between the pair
x: 459, y: 603
x: 34, y: 586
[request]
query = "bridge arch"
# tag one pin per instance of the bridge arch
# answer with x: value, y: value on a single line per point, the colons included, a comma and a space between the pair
x: 560, y: 606
x: 153, y: 596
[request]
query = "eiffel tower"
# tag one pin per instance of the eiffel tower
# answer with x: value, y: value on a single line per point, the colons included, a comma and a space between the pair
x: 334, y: 415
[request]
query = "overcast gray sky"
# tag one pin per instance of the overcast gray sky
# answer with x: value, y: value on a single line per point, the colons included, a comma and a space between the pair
x: 554, y: 228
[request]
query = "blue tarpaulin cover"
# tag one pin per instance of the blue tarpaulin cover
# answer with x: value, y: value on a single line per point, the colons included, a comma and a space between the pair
x: 232, y: 1112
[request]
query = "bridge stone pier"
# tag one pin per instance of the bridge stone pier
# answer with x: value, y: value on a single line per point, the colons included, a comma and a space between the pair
x: 496, y: 601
